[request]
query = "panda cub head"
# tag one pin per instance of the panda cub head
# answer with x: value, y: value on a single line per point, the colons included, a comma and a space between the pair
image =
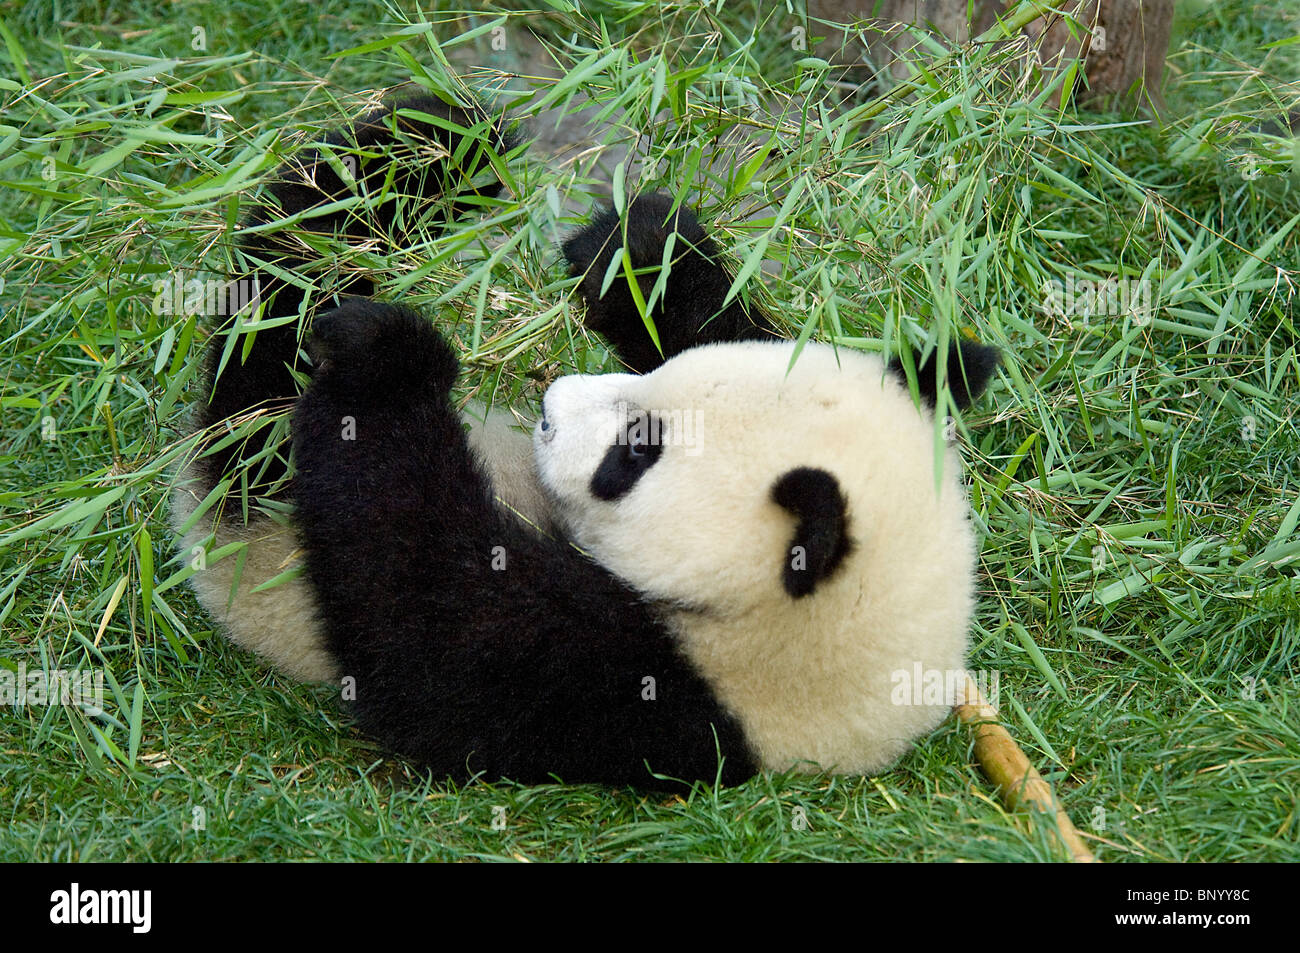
x: 791, y: 523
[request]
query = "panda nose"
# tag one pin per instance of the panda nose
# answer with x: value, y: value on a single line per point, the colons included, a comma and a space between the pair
x: 546, y: 424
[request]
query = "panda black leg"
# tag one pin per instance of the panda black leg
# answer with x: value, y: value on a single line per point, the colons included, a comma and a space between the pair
x: 404, y: 151
x: 691, y: 310
x: 384, y: 470
x: 389, y: 497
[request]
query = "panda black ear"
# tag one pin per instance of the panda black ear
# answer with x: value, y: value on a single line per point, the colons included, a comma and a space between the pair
x: 821, y: 539
x: 970, y: 367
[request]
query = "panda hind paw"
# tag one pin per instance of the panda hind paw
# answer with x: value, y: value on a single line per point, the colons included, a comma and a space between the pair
x: 368, y: 348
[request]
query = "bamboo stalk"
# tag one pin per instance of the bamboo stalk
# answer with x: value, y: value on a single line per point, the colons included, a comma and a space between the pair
x: 1006, y: 766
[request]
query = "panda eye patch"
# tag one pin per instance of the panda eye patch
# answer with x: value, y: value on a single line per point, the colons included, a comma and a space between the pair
x: 624, y: 463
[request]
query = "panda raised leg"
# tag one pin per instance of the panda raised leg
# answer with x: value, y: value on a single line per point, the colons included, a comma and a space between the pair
x: 473, y: 644
x: 416, y: 156
x: 407, y: 160
x: 691, y: 310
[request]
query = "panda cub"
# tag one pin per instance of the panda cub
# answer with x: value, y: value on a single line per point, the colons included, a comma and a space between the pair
x: 725, y: 559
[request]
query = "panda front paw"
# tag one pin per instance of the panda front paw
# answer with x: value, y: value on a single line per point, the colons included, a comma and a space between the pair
x: 366, y: 348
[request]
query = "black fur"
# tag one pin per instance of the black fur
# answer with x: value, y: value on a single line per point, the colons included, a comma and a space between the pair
x: 689, y: 313
x: 821, y: 538
x: 476, y: 645
x: 970, y: 368
x: 409, y: 155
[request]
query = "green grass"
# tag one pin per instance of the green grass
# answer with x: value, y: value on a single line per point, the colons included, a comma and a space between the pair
x: 1135, y: 476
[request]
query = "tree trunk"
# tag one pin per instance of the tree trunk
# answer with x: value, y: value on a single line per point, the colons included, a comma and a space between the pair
x: 1122, y: 42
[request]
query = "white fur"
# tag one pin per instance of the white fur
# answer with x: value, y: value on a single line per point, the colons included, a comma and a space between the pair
x: 282, y: 624
x: 810, y: 679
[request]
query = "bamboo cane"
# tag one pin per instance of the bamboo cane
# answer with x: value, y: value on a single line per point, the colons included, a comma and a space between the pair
x: 1006, y: 766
